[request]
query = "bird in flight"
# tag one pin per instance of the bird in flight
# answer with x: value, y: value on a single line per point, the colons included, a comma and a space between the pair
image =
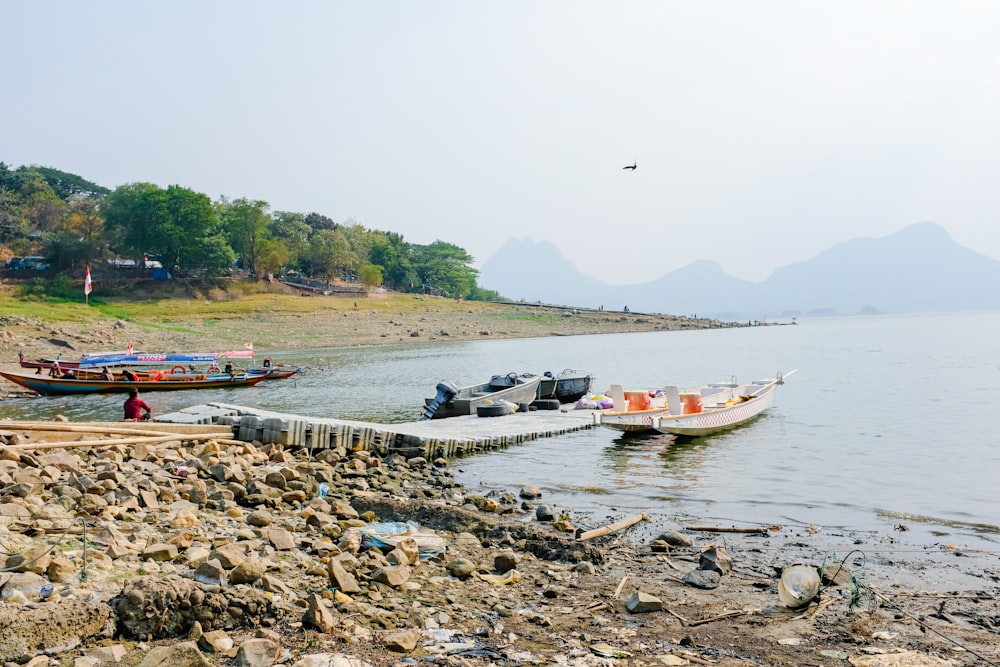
x: 630, y: 166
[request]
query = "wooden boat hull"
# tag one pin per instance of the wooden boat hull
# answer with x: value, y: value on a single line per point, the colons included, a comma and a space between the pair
x: 468, y: 399
x: 721, y: 417
x: 629, y: 421
x: 61, y: 386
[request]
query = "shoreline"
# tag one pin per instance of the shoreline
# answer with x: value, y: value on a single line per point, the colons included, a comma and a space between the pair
x: 234, y: 526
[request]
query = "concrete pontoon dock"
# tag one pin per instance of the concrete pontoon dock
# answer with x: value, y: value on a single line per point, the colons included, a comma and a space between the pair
x: 455, y: 436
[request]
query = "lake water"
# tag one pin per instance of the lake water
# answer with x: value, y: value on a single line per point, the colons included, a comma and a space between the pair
x: 888, y: 420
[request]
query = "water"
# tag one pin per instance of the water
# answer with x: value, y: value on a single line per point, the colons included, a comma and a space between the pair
x: 888, y: 420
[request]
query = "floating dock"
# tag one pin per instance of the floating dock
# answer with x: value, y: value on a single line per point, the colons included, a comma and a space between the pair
x: 455, y: 436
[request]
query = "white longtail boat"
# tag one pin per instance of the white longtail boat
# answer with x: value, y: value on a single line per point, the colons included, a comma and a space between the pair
x: 722, y: 410
x: 700, y: 411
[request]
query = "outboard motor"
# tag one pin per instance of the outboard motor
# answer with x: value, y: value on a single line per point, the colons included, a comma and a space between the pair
x: 445, y: 392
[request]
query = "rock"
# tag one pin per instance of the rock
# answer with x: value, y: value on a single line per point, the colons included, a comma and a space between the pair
x: 247, y: 572
x: 319, y: 615
x: 160, y: 552
x: 675, y: 539
x: 210, y: 573
x: 281, y: 539
x: 33, y: 559
x: 60, y: 570
x: 484, y: 504
x: 405, y: 553
x: 641, y: 603
x: 505, y: 561
x: 48, y: 628
x: 113, y: 653
x: 706, y: 579
x: 341, y: 578
x: 257, y: 653
x: 184, y: 519
x: 230, y: 554
x: 260, y: 518
x: 28, y: 583
x: 716, y: 559
x: 402, y: 641
x: 530, y: 492
x: 163, y: 607
x: 344, y: 510
x: 462, y: 568
x: 659, y: 546
x: 185, y: 654
x: 545, y: 513
x: 91, y: 504
x: 393, y: 575
x: 217, y: 641
x: 195, y: 556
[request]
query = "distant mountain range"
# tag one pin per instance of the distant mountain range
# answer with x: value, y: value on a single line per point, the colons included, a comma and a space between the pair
x: 919, y: 269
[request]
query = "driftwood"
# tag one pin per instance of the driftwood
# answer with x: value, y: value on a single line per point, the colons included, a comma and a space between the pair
x: 728, y: 529
x: 611, y: 528
x: 621, y: 585
x: 121, y: 441
x: 69, y: 428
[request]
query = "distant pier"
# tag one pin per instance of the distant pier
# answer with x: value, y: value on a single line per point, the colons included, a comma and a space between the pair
x: 451, y: 437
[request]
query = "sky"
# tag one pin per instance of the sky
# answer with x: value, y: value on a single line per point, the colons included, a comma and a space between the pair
x: 763, y: 132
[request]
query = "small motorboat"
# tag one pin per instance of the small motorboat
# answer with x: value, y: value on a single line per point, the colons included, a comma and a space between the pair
x: 452, y: 401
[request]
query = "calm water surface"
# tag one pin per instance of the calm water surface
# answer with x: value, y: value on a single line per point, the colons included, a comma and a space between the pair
x: 888, y: 420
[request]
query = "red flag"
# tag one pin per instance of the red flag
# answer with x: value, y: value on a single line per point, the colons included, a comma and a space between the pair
x: 87, y: 286
x: 128, y: 350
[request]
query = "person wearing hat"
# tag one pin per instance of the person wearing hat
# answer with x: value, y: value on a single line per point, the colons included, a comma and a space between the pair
x: 136, y: 409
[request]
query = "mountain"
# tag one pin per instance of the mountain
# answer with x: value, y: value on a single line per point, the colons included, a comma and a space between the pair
x: 917, y: 269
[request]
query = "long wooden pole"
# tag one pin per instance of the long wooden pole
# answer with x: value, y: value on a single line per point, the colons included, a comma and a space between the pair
x: 120, y: 441
x: 611, y: 528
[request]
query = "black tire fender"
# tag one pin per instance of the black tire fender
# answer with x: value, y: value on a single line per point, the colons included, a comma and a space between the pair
x: 491, y: 410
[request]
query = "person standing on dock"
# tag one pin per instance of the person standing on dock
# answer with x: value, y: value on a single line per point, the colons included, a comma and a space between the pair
x: 136, y: 409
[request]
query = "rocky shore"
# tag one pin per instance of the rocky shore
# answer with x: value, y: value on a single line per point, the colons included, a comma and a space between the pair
x: 218, y: 552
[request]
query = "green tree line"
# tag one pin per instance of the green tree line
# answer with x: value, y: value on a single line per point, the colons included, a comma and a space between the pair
x: 74, y: 223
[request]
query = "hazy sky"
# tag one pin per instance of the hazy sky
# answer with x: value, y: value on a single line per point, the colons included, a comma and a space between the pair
x: 764, y: 132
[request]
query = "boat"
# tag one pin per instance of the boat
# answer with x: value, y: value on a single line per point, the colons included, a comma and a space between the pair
x: 700, y: 411
x: 152, y: 381
x: 452, y: 401
x: 125, y: 358
x: 720, y: 411
x: 567, y: 387
x: 634, y: 410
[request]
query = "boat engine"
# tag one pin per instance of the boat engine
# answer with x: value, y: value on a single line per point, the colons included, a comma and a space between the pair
x: 445, y: 392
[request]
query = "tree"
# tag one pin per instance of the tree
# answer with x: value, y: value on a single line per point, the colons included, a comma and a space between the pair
x: 132, y: 213
x: 391, y: 252
x: 291, y: 230
x: 370, y: 275
x: 444, y: 266
x: 247, y: 226
x: 191, y: 232
x: 318, y: 222
x: 329, y: 254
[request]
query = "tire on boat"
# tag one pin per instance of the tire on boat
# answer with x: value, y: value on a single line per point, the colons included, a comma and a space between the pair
x: 491, y: 410
x: 546, y: 404
x: 523, y: 407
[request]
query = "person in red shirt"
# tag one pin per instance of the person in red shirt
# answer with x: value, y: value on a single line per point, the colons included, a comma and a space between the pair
x: 136, y: 409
